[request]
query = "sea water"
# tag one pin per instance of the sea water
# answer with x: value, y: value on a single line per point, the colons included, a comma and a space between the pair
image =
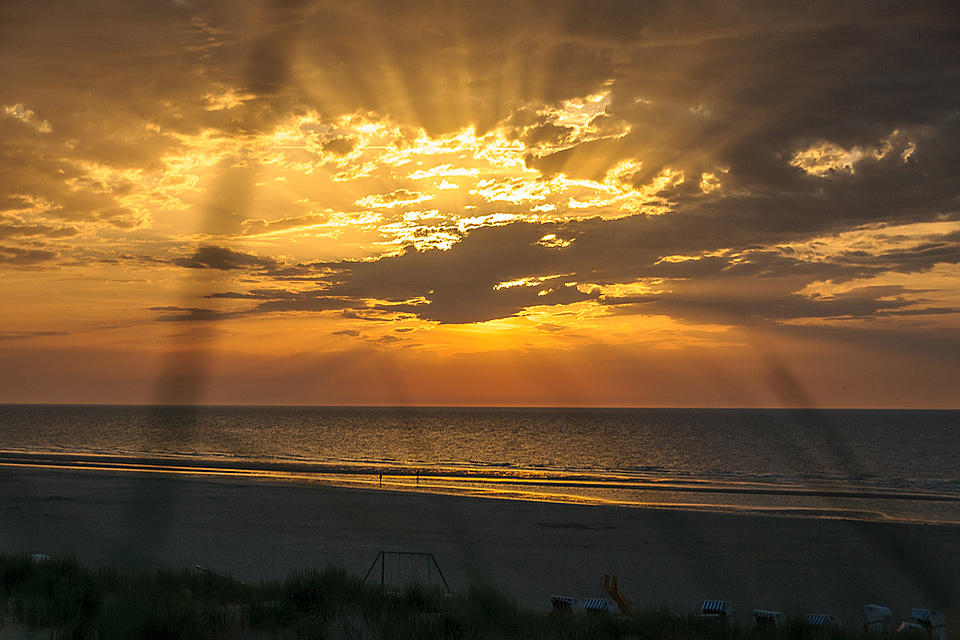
x: 876, y: 465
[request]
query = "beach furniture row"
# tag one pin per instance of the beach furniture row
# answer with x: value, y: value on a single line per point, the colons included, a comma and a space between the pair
x: 927, y: 623
x: 923, y: 622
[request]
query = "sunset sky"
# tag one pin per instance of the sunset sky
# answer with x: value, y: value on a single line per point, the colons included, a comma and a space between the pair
x: 606, y: 203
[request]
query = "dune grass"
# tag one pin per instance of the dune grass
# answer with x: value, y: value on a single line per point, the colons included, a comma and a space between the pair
x: 78, y: 602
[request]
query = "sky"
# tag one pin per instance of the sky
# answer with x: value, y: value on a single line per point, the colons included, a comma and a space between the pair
x: 533, y: 203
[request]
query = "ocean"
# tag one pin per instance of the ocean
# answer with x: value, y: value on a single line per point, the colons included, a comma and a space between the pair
x: 872, y: 465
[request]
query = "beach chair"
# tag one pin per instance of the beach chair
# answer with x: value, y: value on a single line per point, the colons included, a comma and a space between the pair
x: 824, y: 620
x: 929, y: 622
x: 909, y: 629
x: 716, y: 609
x: 766, y: 618
x: 564, y: 604
x: 877, y: 619
x: 596, y: 606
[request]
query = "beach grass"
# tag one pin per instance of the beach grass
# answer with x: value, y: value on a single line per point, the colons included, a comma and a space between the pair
x: 68, y: 600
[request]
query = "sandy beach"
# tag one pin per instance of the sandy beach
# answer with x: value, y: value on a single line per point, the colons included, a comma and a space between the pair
x: 530, y: 550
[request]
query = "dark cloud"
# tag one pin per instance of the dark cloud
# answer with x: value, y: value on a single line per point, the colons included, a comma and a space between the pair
x: 926, y: 311
x: 262, y: 294
x: 24, y: 230
x: 232, y: 295
x: 461, y: 285
x: 27, y: 335
x: 272, y: 301
x: 740, y: 283
x: 464, y: 284
x: 223, y: 258
x: 768, y: 303
x: 340, y: 145
x: 190, y: 314
x: 256, y: 227
x: 307, y: 302
x: 942, y: 250
x: 15, y: 257
x: 14, y: 203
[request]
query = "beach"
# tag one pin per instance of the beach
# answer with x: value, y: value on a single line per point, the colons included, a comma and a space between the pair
x: 254, y: 529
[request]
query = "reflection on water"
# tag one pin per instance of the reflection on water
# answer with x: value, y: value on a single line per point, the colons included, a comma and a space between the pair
x: 870, y: 464
x: 811, y: 497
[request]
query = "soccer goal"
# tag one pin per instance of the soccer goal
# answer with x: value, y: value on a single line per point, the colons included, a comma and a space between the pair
x: 399, y: 570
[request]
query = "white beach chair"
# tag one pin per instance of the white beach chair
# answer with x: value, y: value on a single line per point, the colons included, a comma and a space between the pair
x: 912, y: 629
x: 877, y: 619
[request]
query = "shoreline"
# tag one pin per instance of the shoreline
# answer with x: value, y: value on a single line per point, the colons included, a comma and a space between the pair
x: 819, y: 500
x: 254, y: 529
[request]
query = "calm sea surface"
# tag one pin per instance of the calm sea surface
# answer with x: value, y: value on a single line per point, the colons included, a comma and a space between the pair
x: 841, y: 463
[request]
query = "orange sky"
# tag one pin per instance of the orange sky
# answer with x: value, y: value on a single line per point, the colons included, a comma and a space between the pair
x: 613, y: 204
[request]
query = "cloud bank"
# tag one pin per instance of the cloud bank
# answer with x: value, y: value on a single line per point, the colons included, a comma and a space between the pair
x: 777, y: 167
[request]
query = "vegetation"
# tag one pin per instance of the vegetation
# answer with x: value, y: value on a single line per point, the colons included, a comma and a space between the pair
x: 76, y: 602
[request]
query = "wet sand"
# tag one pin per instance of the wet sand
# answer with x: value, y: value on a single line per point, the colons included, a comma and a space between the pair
x: 530, y: 550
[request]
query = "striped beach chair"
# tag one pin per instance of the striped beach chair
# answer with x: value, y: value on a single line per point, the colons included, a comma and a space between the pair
x: 564, y: 604
x: 765, y: 618
x: 596, y: 605
x: 716, y: 609
x: 824, y: 620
